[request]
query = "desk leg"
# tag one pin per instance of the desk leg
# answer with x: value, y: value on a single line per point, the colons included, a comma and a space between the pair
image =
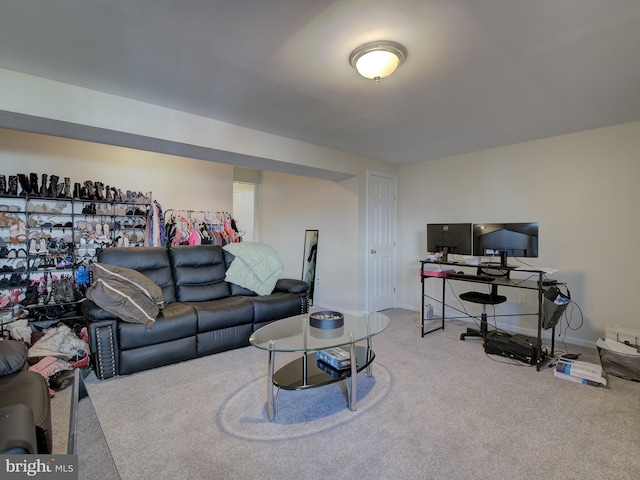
x: 444, y: 293
x: 422, y: 307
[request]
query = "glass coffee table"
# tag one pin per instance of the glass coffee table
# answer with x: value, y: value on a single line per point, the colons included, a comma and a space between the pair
x: 295, y: 334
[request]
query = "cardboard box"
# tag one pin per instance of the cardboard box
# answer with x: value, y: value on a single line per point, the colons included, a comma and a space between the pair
x: 624, y: 335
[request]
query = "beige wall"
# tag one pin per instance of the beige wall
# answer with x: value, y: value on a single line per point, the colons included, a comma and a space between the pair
x: 175, y: 182
x: 289, y: 205
x: 583, y: 190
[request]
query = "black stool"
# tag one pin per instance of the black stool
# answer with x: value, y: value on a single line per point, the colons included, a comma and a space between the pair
x: 484, y: 299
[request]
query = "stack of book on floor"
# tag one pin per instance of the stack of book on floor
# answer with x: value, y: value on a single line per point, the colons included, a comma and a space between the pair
x: 585, y: 373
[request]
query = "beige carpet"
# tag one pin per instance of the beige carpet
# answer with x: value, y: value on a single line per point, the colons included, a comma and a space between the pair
x: 436, y: 408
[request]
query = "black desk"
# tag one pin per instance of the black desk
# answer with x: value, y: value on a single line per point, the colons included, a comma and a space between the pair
x: 430, y: 270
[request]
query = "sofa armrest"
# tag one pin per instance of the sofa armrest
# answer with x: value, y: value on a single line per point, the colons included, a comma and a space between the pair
x: 104, y: 347
x: 17, y: 430
x: 289, y: 285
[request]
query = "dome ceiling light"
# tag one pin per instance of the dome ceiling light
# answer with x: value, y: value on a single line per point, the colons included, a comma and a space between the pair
x: 379, y: 59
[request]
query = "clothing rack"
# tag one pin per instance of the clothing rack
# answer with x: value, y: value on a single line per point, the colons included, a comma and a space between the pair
x: 196, y: 227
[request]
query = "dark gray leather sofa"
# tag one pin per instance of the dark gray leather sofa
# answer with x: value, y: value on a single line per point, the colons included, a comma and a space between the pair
x: 203, y: 313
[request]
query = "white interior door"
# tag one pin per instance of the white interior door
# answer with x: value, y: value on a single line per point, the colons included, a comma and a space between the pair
x: 381, y: 242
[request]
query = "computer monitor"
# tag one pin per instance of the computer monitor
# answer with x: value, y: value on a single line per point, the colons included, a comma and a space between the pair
x: 449, y: 238
x: 505, y: 239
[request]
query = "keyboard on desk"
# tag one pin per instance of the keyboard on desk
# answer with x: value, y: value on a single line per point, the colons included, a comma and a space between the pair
x: 472, y: 278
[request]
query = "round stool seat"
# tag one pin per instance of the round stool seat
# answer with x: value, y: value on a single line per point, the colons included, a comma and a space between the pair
x: 482, y: 298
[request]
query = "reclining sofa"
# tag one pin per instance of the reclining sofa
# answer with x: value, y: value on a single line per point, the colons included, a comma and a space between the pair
x: 25, y: 406
x: 203, y: 314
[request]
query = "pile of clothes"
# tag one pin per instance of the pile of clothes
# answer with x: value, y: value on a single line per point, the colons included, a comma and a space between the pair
x: 55, y: 352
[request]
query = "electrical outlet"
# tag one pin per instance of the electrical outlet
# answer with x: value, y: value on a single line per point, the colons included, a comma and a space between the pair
x: 522, y: 298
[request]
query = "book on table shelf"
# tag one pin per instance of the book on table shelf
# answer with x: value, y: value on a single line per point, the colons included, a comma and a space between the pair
x: 336, y: 357
x: 581, y: 370
x: 344, y: 373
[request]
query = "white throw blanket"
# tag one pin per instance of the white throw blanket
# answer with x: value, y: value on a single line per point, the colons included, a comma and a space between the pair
x: 257, y: 266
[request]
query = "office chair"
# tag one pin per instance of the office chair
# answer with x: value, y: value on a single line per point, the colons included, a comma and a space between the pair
x: 483, y: 299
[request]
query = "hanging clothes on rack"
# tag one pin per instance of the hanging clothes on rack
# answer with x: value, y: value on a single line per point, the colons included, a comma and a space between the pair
x: 189, y: 227
x: 155, y: 234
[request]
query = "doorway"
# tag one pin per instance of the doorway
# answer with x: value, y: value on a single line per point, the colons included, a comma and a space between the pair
x: 382, y: 204
x: 244, y: 210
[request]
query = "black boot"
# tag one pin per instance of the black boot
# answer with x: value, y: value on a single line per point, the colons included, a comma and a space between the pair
x: 3, y: 185
x: 99, y: 188
x: 13, y: 185
x: 107, y: 194
x: 33, y: 182
x: 67, y: 188
x: 91, y: 195
x: 24, y: 184
x: 60, y: 190
x: 43, y: 185
x: 76, y: 190
x: 52, y: 191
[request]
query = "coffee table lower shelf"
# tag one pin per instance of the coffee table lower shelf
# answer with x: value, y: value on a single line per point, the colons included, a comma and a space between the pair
x: 308, y: 372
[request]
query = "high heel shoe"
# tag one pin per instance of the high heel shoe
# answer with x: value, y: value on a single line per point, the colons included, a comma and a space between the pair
x: 33, y: 247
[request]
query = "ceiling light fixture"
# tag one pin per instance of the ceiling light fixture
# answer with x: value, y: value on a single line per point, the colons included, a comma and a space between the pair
x: 379, y: 59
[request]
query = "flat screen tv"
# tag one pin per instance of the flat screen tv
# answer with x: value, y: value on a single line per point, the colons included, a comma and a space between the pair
x: 505, y: 239
x: 449, y: 238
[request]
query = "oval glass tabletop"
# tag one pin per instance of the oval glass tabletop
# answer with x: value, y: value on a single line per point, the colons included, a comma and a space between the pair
x: 295, y: 334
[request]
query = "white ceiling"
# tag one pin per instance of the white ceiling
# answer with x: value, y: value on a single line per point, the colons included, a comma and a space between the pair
x: 479, y: 73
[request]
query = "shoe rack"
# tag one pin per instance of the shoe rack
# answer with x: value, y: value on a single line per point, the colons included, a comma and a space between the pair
x: 47, y: 239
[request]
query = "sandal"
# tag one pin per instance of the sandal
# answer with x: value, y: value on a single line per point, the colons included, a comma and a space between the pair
x: 59, y: 207
x: 91, y: 248
x: 17, y: 232
x: 82, y: 249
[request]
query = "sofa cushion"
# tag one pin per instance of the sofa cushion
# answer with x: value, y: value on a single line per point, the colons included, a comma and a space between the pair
x: 157, y: 355
x: 133, y: 277
x: 177, y: 320
x: 122, y: 291
x: 152, y: 262
x: 256, y: 266
x: 13, y: 355
x: 223, y: 313
x: 199, y: 272
x: 275, y: 306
